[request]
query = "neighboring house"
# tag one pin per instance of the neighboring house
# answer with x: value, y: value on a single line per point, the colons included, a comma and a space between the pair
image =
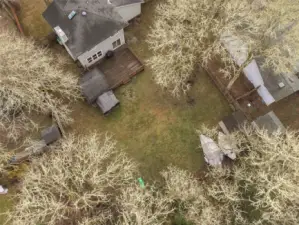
x: 88, y: 29
x: 272, y: 87
x: 269, y: 122
x: 236, y: 120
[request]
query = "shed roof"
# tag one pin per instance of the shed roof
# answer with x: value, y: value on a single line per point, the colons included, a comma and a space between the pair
x: 84, y: 32
x: 51, y: 134
x: 125, y: 2
x: 107, y: 101
x: 271, y: 81
x: 93, y: 84
x: 269, y: 122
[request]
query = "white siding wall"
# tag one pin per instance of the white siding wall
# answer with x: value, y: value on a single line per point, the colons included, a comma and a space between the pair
x: 104, y: 47
x: 128, y: 12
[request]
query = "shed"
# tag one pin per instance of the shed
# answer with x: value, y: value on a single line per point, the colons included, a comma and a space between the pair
x: 107, y: 101
x: 93, y: 84
x: 51, y: 134
x: 270, y: 122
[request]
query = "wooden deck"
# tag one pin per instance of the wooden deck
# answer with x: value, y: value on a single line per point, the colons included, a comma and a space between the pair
x: 120, y: 68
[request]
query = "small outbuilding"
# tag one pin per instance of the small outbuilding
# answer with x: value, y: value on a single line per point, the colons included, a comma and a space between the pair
x: 51, y: 134
x: 107, y: 101
x: 93, y: 84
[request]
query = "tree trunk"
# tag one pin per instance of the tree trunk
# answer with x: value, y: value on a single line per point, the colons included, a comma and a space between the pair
x: 14, y: 13
x: 233, y: 80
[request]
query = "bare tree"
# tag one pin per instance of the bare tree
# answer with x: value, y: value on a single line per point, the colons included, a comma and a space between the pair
x: 4, y: 158
x: 270, y: 169
x: 264, y: 177
x: 188, y: 34
x: 87, y: 181
x: 32, y: 81
x: 210, y: 201
x: 76, y: 183
x: 144, y: 206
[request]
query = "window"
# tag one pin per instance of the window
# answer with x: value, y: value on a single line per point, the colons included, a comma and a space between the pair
x: 99, y: 54
x: 116, y: 43
x: 94, y: 57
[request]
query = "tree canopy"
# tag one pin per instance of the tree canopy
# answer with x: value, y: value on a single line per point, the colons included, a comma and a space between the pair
x: 32, y: 80
x: 188, y: 34
x: 87, y: 180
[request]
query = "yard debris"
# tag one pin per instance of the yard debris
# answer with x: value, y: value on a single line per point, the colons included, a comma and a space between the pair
x: 3, y: 191
x: 48, y: 136
x: 141, y: 182
x: 213, y: 154
x: 35, y: 149
x: 227, y: 145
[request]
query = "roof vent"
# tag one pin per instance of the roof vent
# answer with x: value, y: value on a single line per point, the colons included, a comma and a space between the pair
x: 62, y: 36
x: 281, y: 84
x: 84, y: 13
x: 71, y: 15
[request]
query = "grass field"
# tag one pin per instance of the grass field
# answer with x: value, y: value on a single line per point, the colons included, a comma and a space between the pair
x: 152, y: 127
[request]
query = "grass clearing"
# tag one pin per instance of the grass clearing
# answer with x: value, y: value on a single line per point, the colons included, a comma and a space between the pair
x: 32, y: 20
x: 153, y: 128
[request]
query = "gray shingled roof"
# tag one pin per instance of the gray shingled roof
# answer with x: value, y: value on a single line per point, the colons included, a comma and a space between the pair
x: 93, y: 84
x: 272, y: 80
x: 84, y: 32
x: 125, y: 2
x: 51, y: 134
x: 107, y: 101
x: 270, y: 122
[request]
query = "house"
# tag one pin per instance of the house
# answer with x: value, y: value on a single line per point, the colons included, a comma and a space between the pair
x: 89, y: 29
x: 270, y: 86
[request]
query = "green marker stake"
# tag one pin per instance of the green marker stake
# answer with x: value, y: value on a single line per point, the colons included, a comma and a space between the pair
x: 141, y: 182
